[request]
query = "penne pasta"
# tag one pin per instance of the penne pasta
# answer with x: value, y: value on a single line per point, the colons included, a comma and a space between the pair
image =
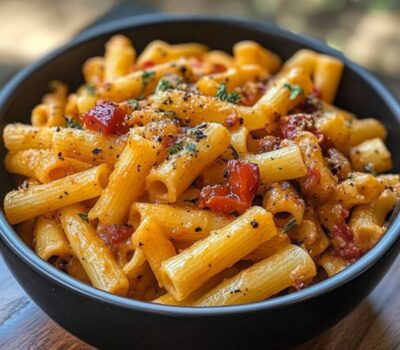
x: 87, y: 146
x: 129, y: 173
x: 291, y: 266
x: 50, y: 239
x: 188, y: 270
x: 24, y: 204
x: 172, y: 177
x: 155, y: 245
x: 41, y: 164
x: 279, y: 165
x: 178, y: 223
x: 97, y: 261
x: 19, y: 137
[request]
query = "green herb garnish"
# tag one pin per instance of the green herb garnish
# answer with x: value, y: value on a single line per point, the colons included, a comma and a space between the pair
x: 191, y: 147
x: 175, y: 148
x: 370, y: 169
x: 72, y: 123
x: 133, y: 103
x: 147, y: 75
x: 290, y: 225
x: 163, y: 85
x: 295, y: 91
x: 223, y: 95
x: 83, y: 216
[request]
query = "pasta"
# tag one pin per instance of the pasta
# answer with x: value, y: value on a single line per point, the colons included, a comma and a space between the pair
x: 186, y: 176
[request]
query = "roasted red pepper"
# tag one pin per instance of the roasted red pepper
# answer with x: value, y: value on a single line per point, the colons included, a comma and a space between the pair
x: 106, y: 117
x: 114, y: 235
x: 237, y: 194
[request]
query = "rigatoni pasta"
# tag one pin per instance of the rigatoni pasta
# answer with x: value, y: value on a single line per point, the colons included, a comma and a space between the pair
x: 191, y: 177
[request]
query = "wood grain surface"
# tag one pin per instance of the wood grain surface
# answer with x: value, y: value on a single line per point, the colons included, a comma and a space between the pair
x: 375, y: 324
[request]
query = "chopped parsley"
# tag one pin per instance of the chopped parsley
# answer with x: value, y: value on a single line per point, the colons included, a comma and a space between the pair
x: 191, y: 147
x: 223, y: 95
x: 198, y: 134
x: 295, y: 91
x: 147, y: 75
x: 163, y: 85
x: 72, y: 123
x: 370, y: 169
x: 235, y: 153
x: 175, y: 148
x: 290, y: 225
x: 83, y: 216
x: 133, y: 103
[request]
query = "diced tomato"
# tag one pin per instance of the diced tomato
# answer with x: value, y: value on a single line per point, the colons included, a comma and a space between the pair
x: 237, y: 194
x: 344, y: 239
x: 243, y: 179
x: 106, y: 117
x: 218, y: 68
x: 113, y: 235
x: 147, y: 64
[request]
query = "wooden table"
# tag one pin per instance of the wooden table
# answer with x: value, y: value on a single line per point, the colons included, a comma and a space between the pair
x: 375, y: 324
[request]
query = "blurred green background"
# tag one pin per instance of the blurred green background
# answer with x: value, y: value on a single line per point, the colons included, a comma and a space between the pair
x: 367, y: 31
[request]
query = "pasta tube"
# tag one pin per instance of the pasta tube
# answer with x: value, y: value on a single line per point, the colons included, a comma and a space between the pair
x: 87, y: 146
x: 96, y: 259
x: 291, y: 266
x: 367, y: 220
x: 282, y: 164
x: 173, y: 176
x: 41, y: 164
x: 50, y: 239
x: 282, y: 201
x: 371, y: 155
x: 23, y: 204
x: 19, y: 136
x: 178, y: 223
x: 188, y: 270
x: 283, y: 95
x: 155, y: 245
x: 127, y: 180
x: 119, y: 57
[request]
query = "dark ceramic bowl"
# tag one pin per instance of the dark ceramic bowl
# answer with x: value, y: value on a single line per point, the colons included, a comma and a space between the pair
x: 109, y: 321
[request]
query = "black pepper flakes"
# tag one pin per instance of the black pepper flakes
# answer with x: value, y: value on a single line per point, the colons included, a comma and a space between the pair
x: 254, y: 224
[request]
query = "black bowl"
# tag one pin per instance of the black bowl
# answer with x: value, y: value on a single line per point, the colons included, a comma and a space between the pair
x: 109, y: 321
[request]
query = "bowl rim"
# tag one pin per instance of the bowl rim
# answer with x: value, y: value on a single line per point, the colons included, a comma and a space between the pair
x: 18, y: 247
